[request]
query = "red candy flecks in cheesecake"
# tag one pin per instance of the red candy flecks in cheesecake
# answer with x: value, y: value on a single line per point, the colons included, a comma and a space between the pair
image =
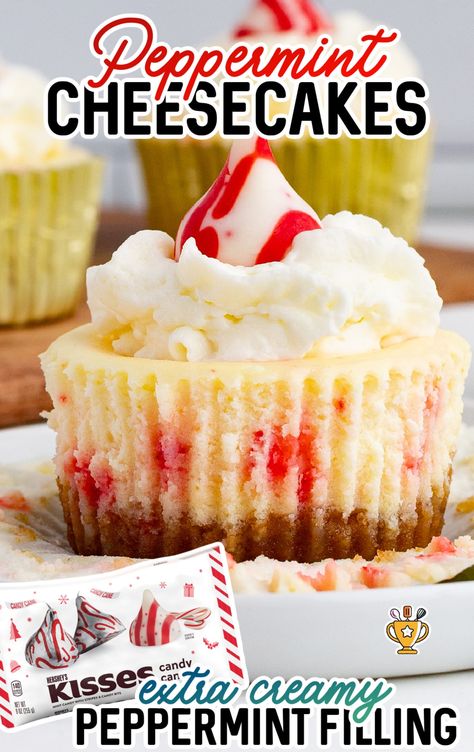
x: 278, y: 453
x: 93, y: 477
x: 283, y: 15
x: 250, y: 185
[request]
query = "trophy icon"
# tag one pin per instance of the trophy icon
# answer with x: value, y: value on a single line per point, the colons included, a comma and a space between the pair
x: 407, y: 631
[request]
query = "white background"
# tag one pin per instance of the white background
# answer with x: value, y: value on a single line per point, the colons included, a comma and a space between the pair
x: 52, y: 35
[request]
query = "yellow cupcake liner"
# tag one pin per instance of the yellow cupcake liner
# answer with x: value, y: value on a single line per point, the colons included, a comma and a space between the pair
x: 382, y: 178
x: 48, y: 218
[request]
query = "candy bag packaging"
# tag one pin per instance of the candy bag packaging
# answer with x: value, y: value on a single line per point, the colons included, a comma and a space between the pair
x: 96, y: 638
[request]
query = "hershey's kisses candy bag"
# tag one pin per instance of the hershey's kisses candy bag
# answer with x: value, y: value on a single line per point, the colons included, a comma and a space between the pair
x: 96, y: 638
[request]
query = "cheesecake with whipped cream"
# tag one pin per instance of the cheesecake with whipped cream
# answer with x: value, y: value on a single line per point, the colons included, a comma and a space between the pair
x: 268, y: 379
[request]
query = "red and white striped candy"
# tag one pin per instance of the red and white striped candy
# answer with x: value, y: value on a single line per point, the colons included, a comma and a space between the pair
x: 51, y: 646
x: 194, y: 618
x: 225, y: 606
x: 154, y: 625
x: 251, y: 214
x: 94, y: 627
x: 6, y: 715
x: 283, y: 15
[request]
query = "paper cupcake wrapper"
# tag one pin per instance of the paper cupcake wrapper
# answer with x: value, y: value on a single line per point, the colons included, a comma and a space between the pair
x: 301, y: 459
x: 382, y: 178
x: 48, y: 218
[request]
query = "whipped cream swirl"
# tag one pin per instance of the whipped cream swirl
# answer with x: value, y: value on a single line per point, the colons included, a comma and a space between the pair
x: 349, y: 287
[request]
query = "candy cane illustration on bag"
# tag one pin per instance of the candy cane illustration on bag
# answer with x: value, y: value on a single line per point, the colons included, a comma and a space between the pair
x: 154, y: 625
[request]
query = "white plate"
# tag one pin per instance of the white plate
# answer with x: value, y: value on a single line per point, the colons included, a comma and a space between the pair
x: 326, y: 634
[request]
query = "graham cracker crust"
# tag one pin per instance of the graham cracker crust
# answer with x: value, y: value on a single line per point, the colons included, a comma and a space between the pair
x: 315, y: 534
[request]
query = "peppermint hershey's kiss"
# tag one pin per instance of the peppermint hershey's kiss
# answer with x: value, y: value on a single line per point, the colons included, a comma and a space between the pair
x: 94, y: 627
x: 51, y: 646
x: 251, y: 214
x: 153, y: 625
x: 283, y: 15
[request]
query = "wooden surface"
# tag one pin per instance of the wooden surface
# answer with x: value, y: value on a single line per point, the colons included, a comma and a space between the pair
x: 21, y: 381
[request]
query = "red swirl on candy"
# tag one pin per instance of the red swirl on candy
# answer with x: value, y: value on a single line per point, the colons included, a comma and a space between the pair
x: 94, y: 627
x: 251, y: 214
x: 283, y: 15
x: 51, y: 646
x: 154, y: 625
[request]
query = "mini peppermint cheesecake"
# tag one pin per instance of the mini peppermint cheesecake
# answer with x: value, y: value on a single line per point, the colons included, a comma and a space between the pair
x: 270, y: 380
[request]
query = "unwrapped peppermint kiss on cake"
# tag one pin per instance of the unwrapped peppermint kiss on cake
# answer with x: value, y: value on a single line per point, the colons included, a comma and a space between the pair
x: 270, y: 380
x: 223, y: 224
